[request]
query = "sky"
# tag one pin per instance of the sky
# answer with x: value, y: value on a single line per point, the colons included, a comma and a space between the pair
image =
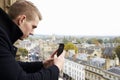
x: 79, y: 17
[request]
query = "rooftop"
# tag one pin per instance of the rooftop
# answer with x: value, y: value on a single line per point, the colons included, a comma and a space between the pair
x: 115, y: 70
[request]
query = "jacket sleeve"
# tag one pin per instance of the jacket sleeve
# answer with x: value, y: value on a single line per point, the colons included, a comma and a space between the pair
x: 31, y: 67
x: 11, y: 70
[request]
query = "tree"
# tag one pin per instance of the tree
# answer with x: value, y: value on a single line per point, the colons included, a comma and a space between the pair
x: 100, y: 41
x: 117, y: 50
x: 23, y: 51
x: 69, y: 46
x: 116, y: 40
x: 95, y: 41
x: 78, y: 41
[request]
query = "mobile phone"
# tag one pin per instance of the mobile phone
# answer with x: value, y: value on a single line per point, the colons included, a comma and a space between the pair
x: 60, y: 49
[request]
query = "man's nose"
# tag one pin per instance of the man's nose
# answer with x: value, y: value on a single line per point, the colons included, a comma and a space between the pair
x: 31, y: 33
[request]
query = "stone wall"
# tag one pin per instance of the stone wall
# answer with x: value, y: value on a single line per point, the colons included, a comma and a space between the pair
x: 4, y: 4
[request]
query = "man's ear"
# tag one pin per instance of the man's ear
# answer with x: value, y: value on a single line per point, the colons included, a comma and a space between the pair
x: 21, y: 19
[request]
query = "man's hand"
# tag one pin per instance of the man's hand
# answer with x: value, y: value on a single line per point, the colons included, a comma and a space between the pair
x: 58, y: 61
x: 48, y: 62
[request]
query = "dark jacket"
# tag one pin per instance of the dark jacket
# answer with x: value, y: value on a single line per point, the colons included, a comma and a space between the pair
x: 10, y: 69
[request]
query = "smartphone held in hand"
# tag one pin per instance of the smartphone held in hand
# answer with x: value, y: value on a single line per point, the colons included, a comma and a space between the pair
x: 60, y: 49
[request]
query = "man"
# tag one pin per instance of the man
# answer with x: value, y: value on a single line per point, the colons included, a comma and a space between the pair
x: 22, y: 20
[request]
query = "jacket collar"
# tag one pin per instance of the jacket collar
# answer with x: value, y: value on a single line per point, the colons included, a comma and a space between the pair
x: 13, y: 31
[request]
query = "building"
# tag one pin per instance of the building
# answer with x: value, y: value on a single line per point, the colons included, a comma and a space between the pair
x: 95, y: 70
x: 74, y: 70
x: 4, y: 4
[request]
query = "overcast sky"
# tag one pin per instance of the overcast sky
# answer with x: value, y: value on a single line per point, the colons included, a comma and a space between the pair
x: 79, y: 17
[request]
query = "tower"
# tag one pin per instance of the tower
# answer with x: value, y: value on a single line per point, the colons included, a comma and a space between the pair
x: 116, y: 61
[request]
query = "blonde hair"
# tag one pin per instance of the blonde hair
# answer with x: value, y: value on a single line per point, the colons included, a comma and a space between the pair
x: 23, y: 7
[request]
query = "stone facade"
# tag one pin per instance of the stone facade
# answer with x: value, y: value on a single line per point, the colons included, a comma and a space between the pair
x: 4, y: 4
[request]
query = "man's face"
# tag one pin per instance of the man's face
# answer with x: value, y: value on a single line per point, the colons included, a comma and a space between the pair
x: 28, y: 27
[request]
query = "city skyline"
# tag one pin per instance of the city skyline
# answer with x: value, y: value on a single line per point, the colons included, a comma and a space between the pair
x: 79, y: 17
